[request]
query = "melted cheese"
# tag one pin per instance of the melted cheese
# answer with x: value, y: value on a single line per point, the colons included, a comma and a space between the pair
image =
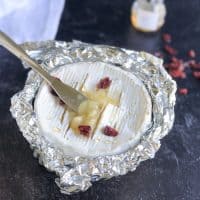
x: 132, y: 116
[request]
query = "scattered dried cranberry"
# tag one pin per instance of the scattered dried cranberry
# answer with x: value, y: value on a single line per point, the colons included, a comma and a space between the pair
x: 192, y: 63
x: 174, y: 59
x: 84, y: 130
x: 195, y: 65
x: 104, y: 83
x: 191, y: 53
x: 176, y: 68
x: 196, y: 75
x: 109, y: 131
x: 176, y: 73
x: 176, y: 65
x: 183, y: 91
x: 170, y: 50
x: 167, y: 37
x: 180, y: 64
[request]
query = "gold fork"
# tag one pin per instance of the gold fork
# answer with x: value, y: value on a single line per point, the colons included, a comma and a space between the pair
x: 66, y: 93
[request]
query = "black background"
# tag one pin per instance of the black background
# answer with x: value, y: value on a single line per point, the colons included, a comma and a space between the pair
x: 174, y: 173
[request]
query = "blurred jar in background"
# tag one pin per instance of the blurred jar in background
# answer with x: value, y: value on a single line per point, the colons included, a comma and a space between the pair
x: 148, y: 15
x: 30, y: 20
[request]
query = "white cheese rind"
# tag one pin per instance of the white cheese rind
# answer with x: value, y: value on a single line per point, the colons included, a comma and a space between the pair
x: 131, y: 118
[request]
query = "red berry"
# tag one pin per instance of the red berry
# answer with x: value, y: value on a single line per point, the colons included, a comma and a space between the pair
x: 191, y: 53
x: 195, y: 65
x: 109, y: 131
x: 104, y: 83
x: 196, y: 75
x: 192, y: 63
x: 167, y: 37
x: 84, y: 130
x: 176, y: 73
x: 176, y: 65
x: 173, y: 65
x: 170, y: 50
x: 61, y: 102
x: 183, y: 91
x: 174, y: 59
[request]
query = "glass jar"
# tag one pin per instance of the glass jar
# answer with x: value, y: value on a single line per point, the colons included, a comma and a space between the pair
x: 148, y: 15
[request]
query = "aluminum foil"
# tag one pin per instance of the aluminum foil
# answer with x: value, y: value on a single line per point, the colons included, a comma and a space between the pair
x: 76, y: 174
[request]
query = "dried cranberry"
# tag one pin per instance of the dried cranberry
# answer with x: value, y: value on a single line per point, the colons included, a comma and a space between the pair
x: 176, y: 65
x: 170, y: 50
x: 172, y: 66
x: 167, y: 37
x: 196, y: 75
x: 84, y: 130
x: 192, y: 63
x: 191, y: 53
x: 183, y: 91
x: 104, y: 83
x: 109, y: 131
x: 195, y: 65
x: 177, y: 73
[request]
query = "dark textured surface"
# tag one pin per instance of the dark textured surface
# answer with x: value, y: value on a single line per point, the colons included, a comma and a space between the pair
x: 173, y: 174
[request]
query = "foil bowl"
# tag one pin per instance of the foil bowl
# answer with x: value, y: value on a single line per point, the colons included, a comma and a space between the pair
x: 76, y: 174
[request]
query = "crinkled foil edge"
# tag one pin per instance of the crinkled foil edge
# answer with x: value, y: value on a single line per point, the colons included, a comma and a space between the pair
x: 76, y: 174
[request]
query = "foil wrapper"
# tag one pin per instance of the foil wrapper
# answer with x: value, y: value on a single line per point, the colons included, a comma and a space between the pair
x: 76, y: 174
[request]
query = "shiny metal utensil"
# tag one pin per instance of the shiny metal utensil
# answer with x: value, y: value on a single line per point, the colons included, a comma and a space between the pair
x: 66, y: 93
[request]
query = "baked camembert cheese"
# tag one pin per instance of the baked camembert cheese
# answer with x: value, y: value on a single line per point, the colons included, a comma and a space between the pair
x: 114, y: 118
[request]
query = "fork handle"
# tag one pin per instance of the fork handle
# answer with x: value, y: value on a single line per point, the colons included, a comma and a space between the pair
x: 15, y: 49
